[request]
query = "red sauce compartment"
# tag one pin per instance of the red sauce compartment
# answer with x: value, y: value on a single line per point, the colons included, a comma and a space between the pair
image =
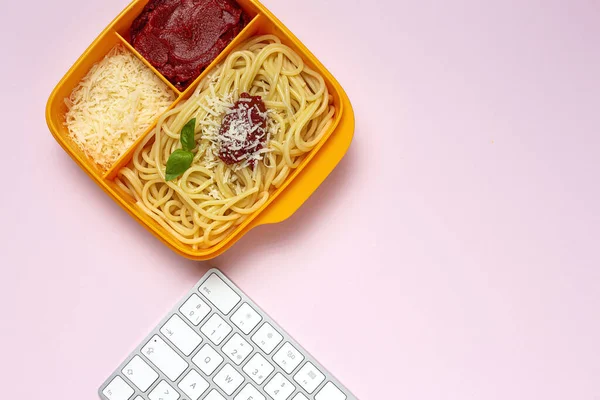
x: 181, y: 39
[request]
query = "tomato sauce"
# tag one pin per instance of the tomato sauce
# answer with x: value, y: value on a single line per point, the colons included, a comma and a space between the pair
x: 180, y: 38
x: 243, y: 132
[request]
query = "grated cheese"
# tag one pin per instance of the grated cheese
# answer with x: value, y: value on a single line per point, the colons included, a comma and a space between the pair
x: 114, y: 104
x: 215, y: 194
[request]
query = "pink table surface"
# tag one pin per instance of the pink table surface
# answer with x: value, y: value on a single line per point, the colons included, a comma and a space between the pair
x: 453, y: 254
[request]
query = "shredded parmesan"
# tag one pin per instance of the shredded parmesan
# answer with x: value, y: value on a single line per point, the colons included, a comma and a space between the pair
x: 116, y: 102
x: 215, y: 194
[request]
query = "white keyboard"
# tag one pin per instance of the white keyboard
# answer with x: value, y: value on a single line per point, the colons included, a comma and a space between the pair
x: 216, y: 344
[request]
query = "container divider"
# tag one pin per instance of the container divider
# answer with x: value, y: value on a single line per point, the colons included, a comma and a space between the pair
x: 124, y: 159
x: 138, y: 55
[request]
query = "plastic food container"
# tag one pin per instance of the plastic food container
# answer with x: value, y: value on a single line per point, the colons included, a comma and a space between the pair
x: 283, y: 202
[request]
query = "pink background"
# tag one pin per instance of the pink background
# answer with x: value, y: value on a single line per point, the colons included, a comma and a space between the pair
x: 453, y: 254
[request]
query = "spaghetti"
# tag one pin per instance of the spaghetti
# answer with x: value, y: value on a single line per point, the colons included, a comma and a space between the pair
x: 212, y: 197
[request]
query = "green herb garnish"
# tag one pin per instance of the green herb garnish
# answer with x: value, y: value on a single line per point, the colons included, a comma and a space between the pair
x: 187, y: 135
x: 181, y: 159
x: 179, y: 162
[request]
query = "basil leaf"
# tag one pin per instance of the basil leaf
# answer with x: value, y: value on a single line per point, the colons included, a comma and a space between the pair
x: 179, y: 162
x: 187, y: 135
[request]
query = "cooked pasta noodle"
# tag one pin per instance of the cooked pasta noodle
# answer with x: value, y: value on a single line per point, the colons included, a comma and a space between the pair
x: 211, y: 198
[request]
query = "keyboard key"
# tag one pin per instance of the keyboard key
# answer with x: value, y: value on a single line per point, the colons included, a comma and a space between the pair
x: 228, y: 379
x: 163, y: 391
x: 288, y: 358
x: 207, y: 359
x: 258, y: 369
x: 330, y: 392
x: 181, y: 335
x: 299, y: 396
x: 195, y: 309
x: 218, y: 293
x: 214, y: 395
x: 164, y: 358
x: 279, y: 388
x: 249, y: 393
x: 246, y: 318
x: 140, y: 373
x: 309, y: 377
x: 267, y: 338
x: 118, y: 389
x: 216, y: 329
x: 237, y: 349
x: 193, y: 385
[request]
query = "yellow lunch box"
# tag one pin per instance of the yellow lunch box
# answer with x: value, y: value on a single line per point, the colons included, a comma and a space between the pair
x: 282, y: 203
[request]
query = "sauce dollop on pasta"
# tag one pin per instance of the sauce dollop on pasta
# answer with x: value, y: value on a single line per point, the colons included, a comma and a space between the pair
x: 243, y: 132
